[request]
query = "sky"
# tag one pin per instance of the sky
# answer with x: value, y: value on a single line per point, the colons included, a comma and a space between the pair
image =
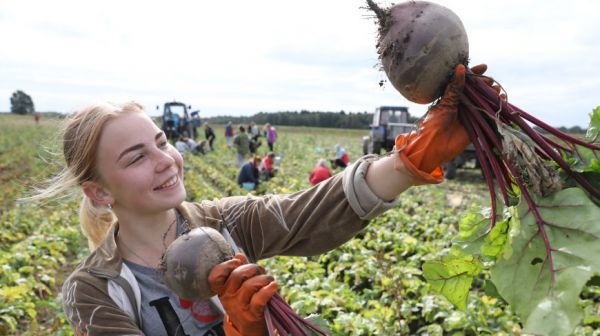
x: 243, y: 57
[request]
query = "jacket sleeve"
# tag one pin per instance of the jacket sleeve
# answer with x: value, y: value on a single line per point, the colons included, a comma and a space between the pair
x: 91, y: 311
x: 308, y: 222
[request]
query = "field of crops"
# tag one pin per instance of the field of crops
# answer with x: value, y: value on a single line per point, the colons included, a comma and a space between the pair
x: 372, y: 285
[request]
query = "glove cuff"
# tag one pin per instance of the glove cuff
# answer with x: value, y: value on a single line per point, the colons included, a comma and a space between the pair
x: 435, y: 177
x: 229, y: 328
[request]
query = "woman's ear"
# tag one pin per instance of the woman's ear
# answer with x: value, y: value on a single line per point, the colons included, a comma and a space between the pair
x: 97, y: 193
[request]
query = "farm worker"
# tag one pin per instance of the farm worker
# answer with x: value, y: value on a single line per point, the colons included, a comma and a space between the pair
x: 196, y: 148
x: 248, y: 177
x: 319, y: 173
x: 209, y: 134
x: 267, y: 166
x: 229, y: 134
x: 341, y: 157
x: 134, y: 206
x: 271, y: 135
x: 254, y: 131
x: 181, y: 144
x: 241, y: 142
x: 195, y: 123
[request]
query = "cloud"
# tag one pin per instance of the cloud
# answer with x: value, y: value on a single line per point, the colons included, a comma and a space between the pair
x: 241, y: 57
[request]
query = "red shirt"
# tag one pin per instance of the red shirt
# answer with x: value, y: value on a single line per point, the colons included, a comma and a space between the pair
x: 345, y: 158
x: 319, y: 174
x: 267, y: 163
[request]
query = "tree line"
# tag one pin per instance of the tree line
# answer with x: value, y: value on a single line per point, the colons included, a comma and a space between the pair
x: 21, y: 103
x: 306, y: 118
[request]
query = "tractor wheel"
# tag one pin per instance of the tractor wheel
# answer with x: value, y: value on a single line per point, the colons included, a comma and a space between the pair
x: 450, y: 170
x: 365, y: 145
x: 377, y: 148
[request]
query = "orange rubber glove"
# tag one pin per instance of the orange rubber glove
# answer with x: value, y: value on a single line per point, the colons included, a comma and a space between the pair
x: 244, y: 290
x: 440, y: 136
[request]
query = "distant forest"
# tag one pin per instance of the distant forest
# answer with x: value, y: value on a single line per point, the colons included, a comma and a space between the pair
x: 328, y: 119
x: 312, y: 119
x: 303, y: 118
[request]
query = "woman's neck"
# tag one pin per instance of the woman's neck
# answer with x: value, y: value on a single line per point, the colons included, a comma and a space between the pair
x: 143, y: 239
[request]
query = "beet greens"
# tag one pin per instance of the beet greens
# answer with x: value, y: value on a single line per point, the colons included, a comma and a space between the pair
x: 512, y: 152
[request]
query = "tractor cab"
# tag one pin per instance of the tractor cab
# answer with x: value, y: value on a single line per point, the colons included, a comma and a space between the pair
x: 175, y: 120
x: 388, y: 122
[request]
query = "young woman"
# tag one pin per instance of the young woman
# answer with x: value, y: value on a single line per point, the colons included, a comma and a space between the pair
x: 134, y: 206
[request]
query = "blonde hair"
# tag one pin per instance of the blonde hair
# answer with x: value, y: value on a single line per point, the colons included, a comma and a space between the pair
x: 81, y: 135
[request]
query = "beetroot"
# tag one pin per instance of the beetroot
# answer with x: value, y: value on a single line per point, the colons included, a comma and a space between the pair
x: 190, y: 258
x: 420, y: 43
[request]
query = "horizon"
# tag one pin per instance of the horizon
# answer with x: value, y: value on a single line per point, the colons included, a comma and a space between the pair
x: 251, y: 115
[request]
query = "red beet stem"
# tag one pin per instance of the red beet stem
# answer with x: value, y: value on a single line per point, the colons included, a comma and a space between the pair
x: 492, y: 148
x: 281, y: 319
x: 554, y: 131
x: 487, y: 173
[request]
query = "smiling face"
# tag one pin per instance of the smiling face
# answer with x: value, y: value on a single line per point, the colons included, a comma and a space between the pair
x: 140, y: 171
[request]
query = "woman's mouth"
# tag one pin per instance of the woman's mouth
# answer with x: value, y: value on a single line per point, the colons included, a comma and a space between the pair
x: 171, y: 182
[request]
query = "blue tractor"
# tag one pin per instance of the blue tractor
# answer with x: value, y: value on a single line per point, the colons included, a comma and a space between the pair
x: 175, y: 120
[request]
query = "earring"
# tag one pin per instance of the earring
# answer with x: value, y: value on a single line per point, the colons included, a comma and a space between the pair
x: 109, y: 206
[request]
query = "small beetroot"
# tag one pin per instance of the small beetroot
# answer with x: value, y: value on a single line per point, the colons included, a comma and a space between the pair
x: 190, y: 258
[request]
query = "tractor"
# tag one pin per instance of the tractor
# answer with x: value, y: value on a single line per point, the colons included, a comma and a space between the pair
x: 389, y: 121
x: 175, y: 120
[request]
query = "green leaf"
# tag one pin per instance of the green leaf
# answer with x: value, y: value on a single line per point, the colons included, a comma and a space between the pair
x: 471, y: 231
x: 319, y: 322
x: 474, y: 239
x: 10, y: 321
x: 547, y: 300
x: 13, y: 293
x: 593, y: 132
x: 451, y: 275
x: 496, y: 241
x: 490, y: 289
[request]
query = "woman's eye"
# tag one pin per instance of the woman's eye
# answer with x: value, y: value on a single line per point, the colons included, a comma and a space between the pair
x: 163, y: 144
x: 136, y: 159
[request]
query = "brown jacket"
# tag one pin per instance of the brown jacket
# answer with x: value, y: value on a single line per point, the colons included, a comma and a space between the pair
x: 101, y: 296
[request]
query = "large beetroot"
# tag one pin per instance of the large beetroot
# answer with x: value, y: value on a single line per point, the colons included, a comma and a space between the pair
x: 419, y: 45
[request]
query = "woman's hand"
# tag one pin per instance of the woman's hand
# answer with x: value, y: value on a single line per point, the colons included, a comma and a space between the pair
x: 440, y: 137
x: 244, y: 290
x: 418, y: 156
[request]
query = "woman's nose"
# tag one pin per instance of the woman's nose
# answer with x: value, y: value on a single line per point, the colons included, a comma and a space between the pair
x: 165, y: 160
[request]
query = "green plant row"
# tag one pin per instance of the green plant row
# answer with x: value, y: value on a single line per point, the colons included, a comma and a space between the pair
x: 213, y: 175
x: 198, y: 189
x: 33, y: 270
x: 24, y: 155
